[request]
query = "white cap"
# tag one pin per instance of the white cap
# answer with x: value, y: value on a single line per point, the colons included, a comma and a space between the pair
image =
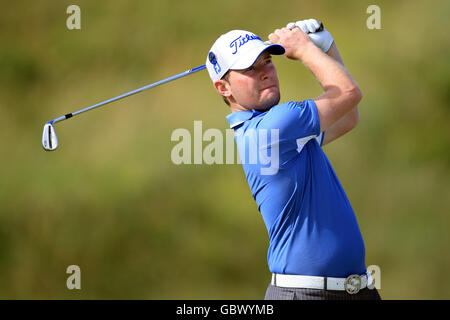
x: 236, y: 50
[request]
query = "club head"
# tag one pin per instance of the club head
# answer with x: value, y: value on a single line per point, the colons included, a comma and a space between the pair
x: 49, y: 139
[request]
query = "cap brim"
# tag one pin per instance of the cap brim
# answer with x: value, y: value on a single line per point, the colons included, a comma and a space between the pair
x: 254, y: 54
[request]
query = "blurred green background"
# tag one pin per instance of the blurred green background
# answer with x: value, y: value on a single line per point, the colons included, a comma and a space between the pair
x: 111, y: 201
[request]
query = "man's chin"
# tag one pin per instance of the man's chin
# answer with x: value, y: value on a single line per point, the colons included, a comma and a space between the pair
x: 269, y: 103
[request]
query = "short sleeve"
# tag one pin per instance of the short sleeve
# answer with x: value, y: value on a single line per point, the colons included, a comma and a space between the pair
x: 320, y: 137
x: 294, y: 120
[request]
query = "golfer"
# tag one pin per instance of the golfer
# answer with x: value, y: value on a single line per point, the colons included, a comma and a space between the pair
x: 316, y: 250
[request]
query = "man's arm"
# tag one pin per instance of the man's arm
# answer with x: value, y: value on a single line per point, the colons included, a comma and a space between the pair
x: 341, y: 93
x: 348, y: 121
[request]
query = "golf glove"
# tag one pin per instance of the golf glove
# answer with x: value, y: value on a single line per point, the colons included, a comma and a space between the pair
x: 322, y: 39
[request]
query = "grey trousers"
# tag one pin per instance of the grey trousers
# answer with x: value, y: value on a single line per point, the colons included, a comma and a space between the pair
x: 279, y: 293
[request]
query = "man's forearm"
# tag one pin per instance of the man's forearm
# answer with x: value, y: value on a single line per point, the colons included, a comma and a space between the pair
x: 341, y: 93
x: 352, y: 117
x: 349, y: 120
x: 334, y: 53
x: 331, y: 75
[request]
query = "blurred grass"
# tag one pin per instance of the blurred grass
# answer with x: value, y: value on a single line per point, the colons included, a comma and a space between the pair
x: 111, y: 201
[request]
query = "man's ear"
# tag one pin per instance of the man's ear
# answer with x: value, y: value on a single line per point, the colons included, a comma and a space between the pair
x: 223, y: 88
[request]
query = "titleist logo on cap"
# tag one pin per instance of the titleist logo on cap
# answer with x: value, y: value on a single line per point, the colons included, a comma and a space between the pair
x: 241, y: 40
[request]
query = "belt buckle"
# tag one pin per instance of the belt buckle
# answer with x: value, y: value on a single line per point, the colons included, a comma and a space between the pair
x: 352, y: 284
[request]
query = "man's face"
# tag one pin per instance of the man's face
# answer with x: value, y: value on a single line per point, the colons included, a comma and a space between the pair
x: 256, y: 87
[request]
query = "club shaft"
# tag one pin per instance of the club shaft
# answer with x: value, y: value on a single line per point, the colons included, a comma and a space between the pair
x: 127, y: 94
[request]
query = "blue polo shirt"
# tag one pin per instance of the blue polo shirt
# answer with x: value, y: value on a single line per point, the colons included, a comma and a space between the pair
x: 311, y: 225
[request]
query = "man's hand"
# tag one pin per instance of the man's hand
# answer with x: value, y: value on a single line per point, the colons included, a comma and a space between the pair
x: 307, y: 26
x: 294, y: 41
x: 322, y: 39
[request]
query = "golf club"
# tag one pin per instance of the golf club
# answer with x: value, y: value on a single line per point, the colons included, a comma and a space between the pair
x: 49, y: 139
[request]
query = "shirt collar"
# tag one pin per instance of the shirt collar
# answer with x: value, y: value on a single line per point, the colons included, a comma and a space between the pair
x: 238, y: 117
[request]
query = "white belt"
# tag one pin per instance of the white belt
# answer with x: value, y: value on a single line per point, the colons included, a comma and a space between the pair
x: 352, y: 284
